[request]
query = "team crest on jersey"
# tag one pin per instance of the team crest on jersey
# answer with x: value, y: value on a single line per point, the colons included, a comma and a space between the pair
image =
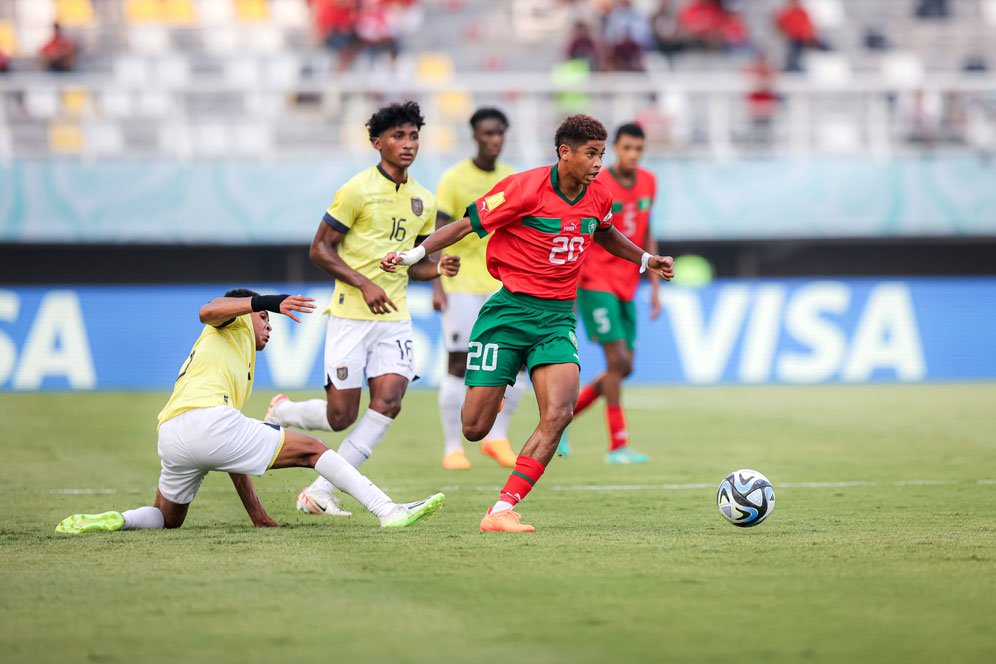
x: 342, y: 373
x: 493, y: 201
x: 417, y: 207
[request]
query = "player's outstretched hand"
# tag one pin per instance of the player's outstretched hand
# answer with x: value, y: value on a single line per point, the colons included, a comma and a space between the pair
x: 300, y: 303
x: 449, y: 265
x: 376, y: 298
x: 388, y: 263
x: 662, y: 266
x: 264, y: 521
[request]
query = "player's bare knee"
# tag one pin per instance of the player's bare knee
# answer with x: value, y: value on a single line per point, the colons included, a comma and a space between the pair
x: 457, y: 364
x: 558, y: 417
x: 339, y: 420
x: 389, y: 407
x: 476, y: 430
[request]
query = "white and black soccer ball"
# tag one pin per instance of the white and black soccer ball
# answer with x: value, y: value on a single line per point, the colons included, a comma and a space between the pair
x: 745, y: 498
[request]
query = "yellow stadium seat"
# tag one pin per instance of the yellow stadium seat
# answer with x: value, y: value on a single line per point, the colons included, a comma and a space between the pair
x: 8, y: 39
x: 434, y: 67
x: 65, y: 137
x: 75, y: 101
x: 74, y: 12
x: 441, y: 139
x: 143, y: 11
x: 251, y: 11
x: 179, y: 12
x: 455, y: 104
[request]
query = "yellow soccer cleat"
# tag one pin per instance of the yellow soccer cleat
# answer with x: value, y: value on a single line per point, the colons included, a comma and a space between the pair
x: 505, y: 521
x: 456, y: 461
x: 499, y: 450
x: 77, y: 524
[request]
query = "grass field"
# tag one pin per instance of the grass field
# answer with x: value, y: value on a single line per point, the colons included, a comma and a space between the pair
x: 882, y: 548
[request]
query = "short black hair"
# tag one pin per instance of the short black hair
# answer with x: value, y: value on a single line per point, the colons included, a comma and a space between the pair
x: 394, y: 115
x: 488, y: 113
x: 577, y: 130
x: 241, y: 292
x: 629, y: 129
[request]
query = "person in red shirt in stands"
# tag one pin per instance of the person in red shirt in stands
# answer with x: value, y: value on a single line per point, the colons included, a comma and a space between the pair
x: 335, y: 24
x: 794, y: 23
x: 59, y: 52
x: 700, y: 22
x: 4, y: 61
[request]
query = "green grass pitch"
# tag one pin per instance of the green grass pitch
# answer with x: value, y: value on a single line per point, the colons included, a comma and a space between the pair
x: 882, y: 547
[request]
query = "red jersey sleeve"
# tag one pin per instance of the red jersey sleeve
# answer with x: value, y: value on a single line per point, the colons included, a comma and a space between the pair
x: 499, y: 207
x: 605, y: 209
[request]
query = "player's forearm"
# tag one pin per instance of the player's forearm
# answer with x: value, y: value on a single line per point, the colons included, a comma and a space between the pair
x: 425, y: 270
x: 327, y: 259
x: 250, y: 499
x: 446, y: 236
x: 222, y: 309
x: 619, y: 245
x: 651, y: 248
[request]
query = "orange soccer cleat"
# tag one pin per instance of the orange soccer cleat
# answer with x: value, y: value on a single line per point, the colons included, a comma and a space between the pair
x: 505, y: 521
x: 456, y: 461
x: 500, y: 450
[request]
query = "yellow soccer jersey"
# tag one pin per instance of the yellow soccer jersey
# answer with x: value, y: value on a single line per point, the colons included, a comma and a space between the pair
x: 378, y: 216
x: 218, y: 371
x: 460, y: 186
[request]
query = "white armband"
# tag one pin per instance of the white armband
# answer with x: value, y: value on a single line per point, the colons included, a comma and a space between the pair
x: 643, y: 261
x: 413, y: 256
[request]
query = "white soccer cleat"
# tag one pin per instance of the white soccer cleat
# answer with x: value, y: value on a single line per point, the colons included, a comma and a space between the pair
x: 314, y: 501
x: 271, y: 415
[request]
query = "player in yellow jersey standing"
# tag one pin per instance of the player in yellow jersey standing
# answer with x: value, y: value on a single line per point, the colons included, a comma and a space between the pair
x: 460, y: 298
x: 369, y: 333
x: 202, y: 429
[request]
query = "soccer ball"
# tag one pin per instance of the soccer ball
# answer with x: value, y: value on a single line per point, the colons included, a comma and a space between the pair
x: 745, y: 498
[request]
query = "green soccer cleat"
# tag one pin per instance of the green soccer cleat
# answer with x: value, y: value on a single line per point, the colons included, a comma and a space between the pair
x: 563, y: 447
x: 407, y: 514
x: 624, y: 455
x: 91, y: 523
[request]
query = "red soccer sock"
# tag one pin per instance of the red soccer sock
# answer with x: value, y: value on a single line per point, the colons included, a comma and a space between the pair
x: 526, y: 474
x: 616, y: 419
x: 586, y: 398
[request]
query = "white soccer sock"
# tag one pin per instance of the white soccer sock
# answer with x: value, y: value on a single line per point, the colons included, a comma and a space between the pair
x: 336, y: 470
x: 143, y: 518
x: 309, y: 415
x: 364, y: 437
x: 501, y: 506
x: 451, y: 395
x: 513, y: 395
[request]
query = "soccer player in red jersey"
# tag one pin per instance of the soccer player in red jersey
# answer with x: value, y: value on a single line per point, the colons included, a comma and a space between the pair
x: 543, y: 221
x: 608, y: 285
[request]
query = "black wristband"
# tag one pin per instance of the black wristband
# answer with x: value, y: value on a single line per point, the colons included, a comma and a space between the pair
x: 268, y: 302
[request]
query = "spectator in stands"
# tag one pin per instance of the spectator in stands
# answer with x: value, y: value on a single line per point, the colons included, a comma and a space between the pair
x: 335, y: 25
x: 627, y: 35
x: 4, y: 61
x: 795, y: 25
x: 377, y: 28
x: 762, y: 100
x: 708, y: 25
x: 664, y: 24
x: 59, y: 52
x: 581, y: 45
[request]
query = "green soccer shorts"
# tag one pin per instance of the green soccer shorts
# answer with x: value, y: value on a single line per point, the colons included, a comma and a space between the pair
x: 607, y: 318
x: 515, y: 329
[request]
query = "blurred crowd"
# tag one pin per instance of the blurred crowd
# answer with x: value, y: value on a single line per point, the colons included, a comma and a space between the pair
x: 351, y: 28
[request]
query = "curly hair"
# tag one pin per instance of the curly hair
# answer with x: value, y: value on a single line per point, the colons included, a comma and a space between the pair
x: 394, y: 115
x: 629, y: 129
x: 241, y: 292
x: 577, y: 130
x: 488, y: 113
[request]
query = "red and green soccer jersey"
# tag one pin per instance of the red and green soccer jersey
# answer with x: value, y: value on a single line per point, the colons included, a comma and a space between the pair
x: 631, y: 215
x: 540, y: 236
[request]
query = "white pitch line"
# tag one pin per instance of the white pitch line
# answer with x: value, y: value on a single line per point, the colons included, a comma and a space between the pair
x: 582, y: 487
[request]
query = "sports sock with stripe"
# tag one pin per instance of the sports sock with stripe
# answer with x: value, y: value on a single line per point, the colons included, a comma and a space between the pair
x: 616, y: 420
x: 525, y: 475
x: 586, y: 398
